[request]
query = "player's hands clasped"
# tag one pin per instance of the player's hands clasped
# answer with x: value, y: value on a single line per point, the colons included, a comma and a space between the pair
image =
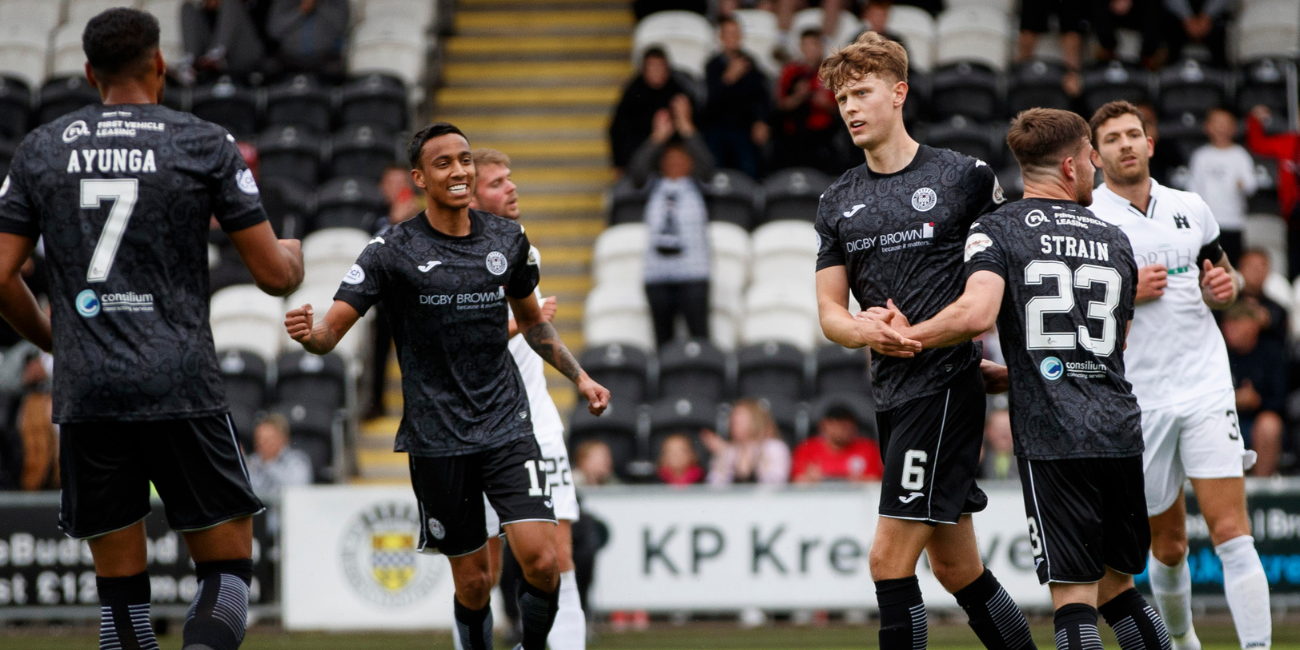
x: 1217, y: 284
x: 996, y: 379
x: 298, y: 323
x: 1152, y: 281
x: 880, y: 329
x: 597, y: 396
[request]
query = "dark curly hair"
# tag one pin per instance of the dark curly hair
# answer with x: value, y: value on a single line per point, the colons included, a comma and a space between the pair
x: 426, y: 134
x: 119, y: 40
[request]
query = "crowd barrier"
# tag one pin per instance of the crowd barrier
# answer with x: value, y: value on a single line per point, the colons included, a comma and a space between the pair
x: 345, y: 557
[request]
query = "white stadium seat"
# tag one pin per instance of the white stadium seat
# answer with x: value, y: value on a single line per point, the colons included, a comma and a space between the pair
x: 81, y: 11
x: 320, y: 295
x: 726, y: 312
x: 916, y: 27
x: 1268, y: 28
x: 974, y: 34
x: 616, y: 314
x: 686, y: 36
x: 168, y: 13
x: 416, y: 12
x: 618, y: 257
x: 1005, y: 6
x: 759, y: 38
x: 328, y: 254
x: 730, y: 247
x: 22, y: 53
x: 39, y: 15
x: 845, y: 32
x: 389, y: 47
x: 785, y: 251
x: 785, y: 313
x: 67, y: 56
x: 242, y: 317
x: 1267, y: 231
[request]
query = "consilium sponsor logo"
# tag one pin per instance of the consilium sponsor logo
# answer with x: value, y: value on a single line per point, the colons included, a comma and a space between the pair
x: 87, y: 304
x: 380, y: 558
x: 128, y: 301
x: 1052, y: 368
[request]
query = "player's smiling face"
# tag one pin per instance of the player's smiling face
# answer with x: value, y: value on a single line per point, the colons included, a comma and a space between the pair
x: 495, y: 192
x: 871, y: 108
x: 447, y: 172
x: 1124, y: 150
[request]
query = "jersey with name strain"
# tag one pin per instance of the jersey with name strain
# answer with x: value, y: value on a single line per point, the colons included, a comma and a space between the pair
x: 900, y: 236
x: 445, y: 298
x: 122, y: 197
x: 1070, y: 286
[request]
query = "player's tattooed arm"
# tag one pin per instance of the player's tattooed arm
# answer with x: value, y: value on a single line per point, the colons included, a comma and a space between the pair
x: 320, y: 337
x: 545, y: 341
x: 17, y: 304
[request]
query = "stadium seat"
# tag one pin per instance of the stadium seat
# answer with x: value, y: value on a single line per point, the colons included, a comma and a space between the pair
x: 170, y: 39
x: 843, y: 370
x: 1264, y: 200
x: 313, y: 432
x: 772, y: 370
x: 62, y: 96
x: 66, y: 56
x: 730, y: 245
x: 1116, y: 81
x: 917, y: 104
x: 375, y: 99
x: 328, y: 254
x: 618, y: 314
x: 619, y: 428
x: 416, y: 12
x: 786, y: 313
x: 319, y: 382
x: 964, y: 89
x: 1188, y: 87
x: 362, y: 151
x: 916, y: 28
x: 1268, y: 29
x: 1036, y: 84
x: 785, y: 251
x: 15, y: 108
x: 245, y: 378
x: 618, y: 256
x: 389, y: 47
x: 863, y: 409
x: 1184, y: 133
x: 244, y: 318
x: 846, y: 30
x: 620, y: 368
x: 227, y: 104
x: 39, y: 17
x: 793, y: 194
x: 22, y: 53
x: 81, y: 11
x: 726, y: 313
x: 1004, y: 6
x: 1267, y: 231
x: 289, y: 205
x: 1264, y: 82
x: 790, y: 416
x: 733, y: 197
x: 349, y: 202
x: 291, y: 153
x: 7, y: 150
x: 687, y: 415
x: 693, y: 368
x: 964, y: 136
x: 300, y: 102
x: 760, y: 38
x: 687, y: 37
x: 319, y: 293
x: 627, y: 202
x: 975, y: 34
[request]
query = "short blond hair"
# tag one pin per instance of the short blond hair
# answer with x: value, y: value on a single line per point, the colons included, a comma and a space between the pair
x: 870, y: 54
x: 485, y: 156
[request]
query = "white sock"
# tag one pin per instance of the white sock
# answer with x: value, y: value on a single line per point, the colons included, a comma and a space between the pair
x: 570, y: 629
x: 1171, y: 588
x: 1246, y: 587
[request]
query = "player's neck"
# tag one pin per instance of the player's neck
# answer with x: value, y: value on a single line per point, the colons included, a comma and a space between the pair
x: 128, y: 93
x: 1138, y: 192
x: 893, y: 153
x: 453, y: 222
x: 1053, y: 188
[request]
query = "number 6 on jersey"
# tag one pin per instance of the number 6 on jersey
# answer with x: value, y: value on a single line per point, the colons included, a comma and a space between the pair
x: 123, y: 192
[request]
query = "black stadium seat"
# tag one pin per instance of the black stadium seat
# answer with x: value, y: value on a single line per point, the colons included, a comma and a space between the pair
x: 376, y: 99
x: 244, y: 375
x: 964, y: 136
x: 620, y: 368
x: 7, y: 149
x: 693, y: 368
x: 1264, y: 200
x: 685, y: 415
x: 791, y: 418
x: 964, y: 89
x: 793, y: 194
x: 300, y: 102
x: 1184, y: 134
x: 227, y: 104
x: 1116, y: 81
x: 843, y: 370
x: 312, y: 431
x: 290, y: 206
x: 617, y: 427
x: 772, y: 370
x: 733, y: 197
x: 627, y: 202
x: 863, y: 411
x: 349, y: 203
x: 1263, y: 82
x: 62, y: 96
x: 1036, y: 84
x: 917, y: 104
x: 15, y: 108
x: 310, y: 391
x: 1187, y: 87
x: 362, y: 151
x: 289, y: 152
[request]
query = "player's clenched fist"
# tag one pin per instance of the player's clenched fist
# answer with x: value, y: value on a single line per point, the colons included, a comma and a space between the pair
x: 1152, y: 281
x: 298, y: 322
x: 1217, y: 284
x: 597, y: 396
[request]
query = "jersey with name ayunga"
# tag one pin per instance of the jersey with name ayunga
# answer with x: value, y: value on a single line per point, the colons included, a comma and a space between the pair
x: 900, y: 236
x: 445, y: 298
x: 122, y: 197
x: 1070, y: 286
x: 1176, y: 353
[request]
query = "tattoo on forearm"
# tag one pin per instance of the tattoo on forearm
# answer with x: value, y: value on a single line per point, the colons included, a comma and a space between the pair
x: 544, y: 340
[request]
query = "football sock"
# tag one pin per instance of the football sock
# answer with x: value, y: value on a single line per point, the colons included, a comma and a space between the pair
x: 537, y: 609
x: 1137, y: 626
x: 997, y: 621
x: 570, y: 629
x: 1076, y: 628
x: 902, y: 614
x: 1246, y: 587
x: 124, y: 613
x: 219, y: 613
x: 473, y: 626
x: 1171, y: 588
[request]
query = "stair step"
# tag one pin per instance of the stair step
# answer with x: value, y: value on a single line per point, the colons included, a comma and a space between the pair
x: 545, y: 21
x: 557, y: 255
x: 486, y: 74
x: 543, y: 124
x: 461, y: 97
x: 563, y: 204
x: 553, y: 229
x: 540, y: 4
x: 532, y: 46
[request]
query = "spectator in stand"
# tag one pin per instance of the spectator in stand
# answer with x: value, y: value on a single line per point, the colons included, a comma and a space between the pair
x: 838, y: 452
x: 652, y: 90
x: 593, y: 464
x: 1143, y: 16
x: 735, y: 115
x: 220, y: 37
x: 678, y: 464
x: 1164, y: 160
x: 677, y: 261
x: 1223, y: 173
x: 399, y: 195
x: 786, y: 9
x: 1254, y: 268
x: 1071, y: 15
x: 1259, y: 374
x: 754, y: 453
x: 807, y: 115
x: 274, y: 465
x: 1199, y: 21
x: 999, y: 458
x: 309, y: 35
x: 1285, y: 148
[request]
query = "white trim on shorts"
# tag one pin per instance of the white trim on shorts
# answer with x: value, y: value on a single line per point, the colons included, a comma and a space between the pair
x: 934, y: 463
x: 1038, y: 520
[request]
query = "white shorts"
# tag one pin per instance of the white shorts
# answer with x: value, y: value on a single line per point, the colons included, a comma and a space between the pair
x: 559, y: 480
x: 1199, y: 439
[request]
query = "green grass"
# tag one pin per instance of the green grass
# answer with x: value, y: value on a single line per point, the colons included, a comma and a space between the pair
x: 699, y: 636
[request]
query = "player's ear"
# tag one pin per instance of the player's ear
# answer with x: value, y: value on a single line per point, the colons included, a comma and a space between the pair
x: 900, y: 93
x: 1151, y: 146
x: 90, y: 76
x: 417, y: 177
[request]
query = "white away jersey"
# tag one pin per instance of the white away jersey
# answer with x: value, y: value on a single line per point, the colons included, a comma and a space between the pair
x: 1175, y: 351
x: 546, y: 417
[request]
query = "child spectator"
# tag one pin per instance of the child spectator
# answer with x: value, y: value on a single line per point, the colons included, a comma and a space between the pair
x: 678, y: 464
x: 838, y: 452
x: 1224, y: 175
x: 593, y: 464
x: 753, y: 454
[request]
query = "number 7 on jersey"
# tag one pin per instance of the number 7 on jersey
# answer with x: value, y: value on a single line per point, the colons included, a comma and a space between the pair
x: 123, y: 192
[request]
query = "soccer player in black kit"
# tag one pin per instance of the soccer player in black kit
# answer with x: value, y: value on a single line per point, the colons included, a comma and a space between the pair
x: 894, y: 228
x: 122, y: 195
x: 1061, y: 284
x: 445, y: 278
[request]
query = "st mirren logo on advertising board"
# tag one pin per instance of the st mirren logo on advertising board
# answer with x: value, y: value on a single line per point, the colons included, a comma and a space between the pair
x: 380, y: 558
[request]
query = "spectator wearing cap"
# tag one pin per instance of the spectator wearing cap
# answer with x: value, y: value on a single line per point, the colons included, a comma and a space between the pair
x: 274, y: 465
x: 735, y: 116
x: 1259, y: 375
x: 753, y: 453
x: 1223, y: 173
x: 651, y: 91
x: 807, y: 115
x: 839, y: 452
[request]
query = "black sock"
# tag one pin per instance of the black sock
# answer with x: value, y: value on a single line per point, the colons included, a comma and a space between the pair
x: 902, y: 614
x: 994, y: 616
x: 537, y: 608
x: 1076, y: 628
x: 1137, y: 626
x: 474, y: 626
x: 124, y: 613
x: 217, y: 617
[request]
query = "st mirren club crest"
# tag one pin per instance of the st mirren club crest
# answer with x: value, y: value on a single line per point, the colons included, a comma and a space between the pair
x: 380, y: 559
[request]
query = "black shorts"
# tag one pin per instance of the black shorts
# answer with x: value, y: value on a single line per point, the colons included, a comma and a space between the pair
x: 450, y: 490
x: 195, y: 463
x: 931, y: 449
x: 1069, y: 15
x: 1086, y: 514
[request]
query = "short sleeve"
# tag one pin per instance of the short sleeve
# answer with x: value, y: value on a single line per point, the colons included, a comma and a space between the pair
x: 1209, y: 225
x: 1124, y: 256
x: 986, y: 193
x: 984, y: 252
x: 525, y: 270
x: 829, y: 251
x: 18, y: 213
x: 237, y: 204
x: 363, y: 286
